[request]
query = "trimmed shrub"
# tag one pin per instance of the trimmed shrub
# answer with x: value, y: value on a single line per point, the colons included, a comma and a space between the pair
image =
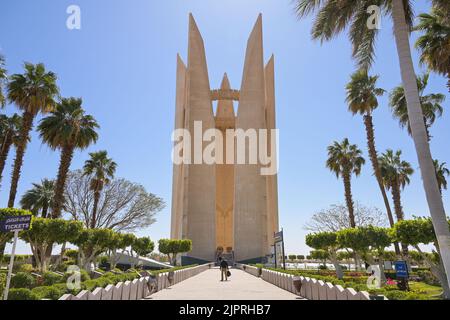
x: 23, y: 280
x: 402, y: 295
x: 108, y: 275
x: 131, y: 270
x: 49, y: 292
x: 2, y: 281
x: 62, y: 267
x: 71, y: 253
x: 50, y: 278
x: 25, y: 267
x: 89, y: 285
x: 21, y: 294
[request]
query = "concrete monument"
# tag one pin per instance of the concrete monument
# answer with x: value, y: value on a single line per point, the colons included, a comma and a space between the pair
x: 223, y: 205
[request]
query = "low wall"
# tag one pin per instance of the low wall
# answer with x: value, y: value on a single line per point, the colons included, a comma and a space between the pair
x: 249, y: 269
x: 312, y: 289
x: 138, y: 288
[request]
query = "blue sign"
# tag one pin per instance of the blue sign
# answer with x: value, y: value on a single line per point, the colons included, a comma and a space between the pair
x: 401, y: 269
x: 15, y: 223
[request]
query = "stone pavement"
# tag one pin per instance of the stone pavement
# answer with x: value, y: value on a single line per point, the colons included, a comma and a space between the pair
x: 240, y: 286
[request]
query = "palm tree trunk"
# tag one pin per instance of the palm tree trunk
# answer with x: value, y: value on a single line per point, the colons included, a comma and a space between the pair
x: 44, y: 210
x: 64, y: 165
x: 376, y: 167
x: 396, y: 197
x: 6, y: 146
x: 415, y: 115
x: 24, y: 135
x: 368, y: 121
x: 94, y: 209
x: 348, y: 199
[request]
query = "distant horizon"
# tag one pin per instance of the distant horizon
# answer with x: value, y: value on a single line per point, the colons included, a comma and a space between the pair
x: 122, y: 63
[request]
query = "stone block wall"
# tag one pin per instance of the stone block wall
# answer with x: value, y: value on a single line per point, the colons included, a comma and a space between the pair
x: 312, y: 289
x: 138, y: 288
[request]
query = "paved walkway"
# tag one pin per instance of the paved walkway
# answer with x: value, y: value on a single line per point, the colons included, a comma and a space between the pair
x: 207, y: 286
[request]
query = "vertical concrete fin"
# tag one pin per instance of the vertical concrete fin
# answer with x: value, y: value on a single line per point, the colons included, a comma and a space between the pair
x: 253, y: 79
x: 198, y: 68
x: 200, y: 187
x: 250, y: 223
x: 272, y: 181
x: 177, y: 179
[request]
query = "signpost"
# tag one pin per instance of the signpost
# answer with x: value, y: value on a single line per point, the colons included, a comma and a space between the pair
x: 401, y: 270
x: 279, y: 243
x: 13, y: 224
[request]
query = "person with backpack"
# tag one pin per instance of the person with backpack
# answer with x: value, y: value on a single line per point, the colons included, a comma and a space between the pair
x: 223, y: 269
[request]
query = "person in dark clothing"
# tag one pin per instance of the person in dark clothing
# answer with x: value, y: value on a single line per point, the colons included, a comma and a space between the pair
x: 223, y: 269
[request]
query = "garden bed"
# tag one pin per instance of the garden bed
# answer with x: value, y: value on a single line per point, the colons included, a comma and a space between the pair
x: 358, y: 280
x: 25, y: 286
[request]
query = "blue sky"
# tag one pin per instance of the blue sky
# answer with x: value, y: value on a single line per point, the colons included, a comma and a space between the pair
x: 122, y: 62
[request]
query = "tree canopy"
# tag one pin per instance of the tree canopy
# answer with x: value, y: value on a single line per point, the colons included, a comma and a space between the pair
x: 123, y: 205
x: 172, y: 247
x: 45, y: 232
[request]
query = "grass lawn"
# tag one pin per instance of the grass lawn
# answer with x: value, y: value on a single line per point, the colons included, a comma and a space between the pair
x: 432, y: 292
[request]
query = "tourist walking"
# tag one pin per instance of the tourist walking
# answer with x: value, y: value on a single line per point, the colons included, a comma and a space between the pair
x: 223, y: 269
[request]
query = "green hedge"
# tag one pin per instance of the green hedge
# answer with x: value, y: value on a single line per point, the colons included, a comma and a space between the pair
x: 155, y: 272
x: 403, y: 295
x: 17, y: 258
x: 3, y: 277
x: 23, y: 280
x: 21, y: 294
x: 51, y: 278
x: 55, y: 291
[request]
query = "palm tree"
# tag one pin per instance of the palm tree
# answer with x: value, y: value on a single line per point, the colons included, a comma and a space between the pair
x: 9, y: 135
x: 362, y: 94
x: 67, y: 128
x: 434, y: 44
x: 345, y: 159
x: 3, y: 77
x: 395, y: 173
x: 33, y: 92
x: 441, y: 173
x: 101, y: 170
x: 335, y: 16
x: 39, y: 198
x: 431, y: 105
